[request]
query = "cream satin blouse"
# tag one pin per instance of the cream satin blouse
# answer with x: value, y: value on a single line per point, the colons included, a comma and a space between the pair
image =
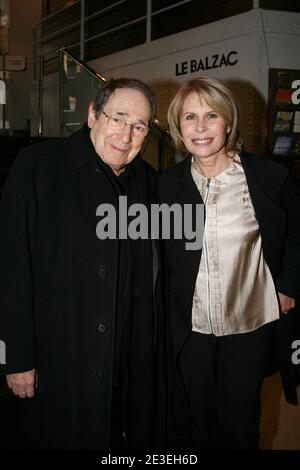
x: 234, y: 291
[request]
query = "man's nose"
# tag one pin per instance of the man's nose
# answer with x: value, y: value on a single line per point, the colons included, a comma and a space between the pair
x: 126, y: 133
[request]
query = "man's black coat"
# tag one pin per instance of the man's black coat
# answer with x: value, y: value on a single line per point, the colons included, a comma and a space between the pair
x: 58, y: 298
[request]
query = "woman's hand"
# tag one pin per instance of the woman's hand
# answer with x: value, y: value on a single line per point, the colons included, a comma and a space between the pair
x: 286, y: 302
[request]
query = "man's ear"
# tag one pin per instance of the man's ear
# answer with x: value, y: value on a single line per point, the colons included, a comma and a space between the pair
x: 91, y: 116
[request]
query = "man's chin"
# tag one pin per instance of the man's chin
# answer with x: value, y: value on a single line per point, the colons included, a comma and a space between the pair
x: 117, y: 170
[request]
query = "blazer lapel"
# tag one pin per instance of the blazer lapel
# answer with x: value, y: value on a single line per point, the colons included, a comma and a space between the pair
x: 185, y: 262
x: 188, y: 192
x: 264, y: 193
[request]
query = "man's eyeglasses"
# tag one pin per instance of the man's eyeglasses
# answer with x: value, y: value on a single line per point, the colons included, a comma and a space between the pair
x: 118, y: 123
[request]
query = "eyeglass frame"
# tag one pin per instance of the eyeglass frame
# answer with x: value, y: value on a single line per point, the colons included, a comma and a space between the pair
x: 124, y: 124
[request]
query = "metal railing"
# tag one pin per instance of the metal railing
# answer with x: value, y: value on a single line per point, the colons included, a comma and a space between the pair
x: 78, y: 83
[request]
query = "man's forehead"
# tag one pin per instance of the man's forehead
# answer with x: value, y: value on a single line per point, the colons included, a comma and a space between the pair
x: 128, y: 101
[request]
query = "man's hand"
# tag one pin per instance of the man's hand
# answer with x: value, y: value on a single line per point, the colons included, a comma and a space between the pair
x: 286, y: 303
x: 22, y: 383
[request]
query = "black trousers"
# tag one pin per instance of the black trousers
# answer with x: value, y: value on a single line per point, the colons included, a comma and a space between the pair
x: 222, y: 378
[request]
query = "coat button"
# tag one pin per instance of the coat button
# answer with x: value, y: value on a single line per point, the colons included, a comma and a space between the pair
x: 102, y: 327
x: 100, y: 376
x: 102, y: 272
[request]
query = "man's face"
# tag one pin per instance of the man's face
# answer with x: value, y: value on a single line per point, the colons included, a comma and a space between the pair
x: 119, y: 147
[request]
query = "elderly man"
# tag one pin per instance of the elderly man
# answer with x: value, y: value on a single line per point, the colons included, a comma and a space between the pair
x: 79, y: 315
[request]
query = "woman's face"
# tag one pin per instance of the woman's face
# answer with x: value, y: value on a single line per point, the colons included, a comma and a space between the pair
x: 203, y: 130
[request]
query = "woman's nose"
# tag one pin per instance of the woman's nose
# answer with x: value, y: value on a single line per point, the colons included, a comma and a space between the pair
x: 201, y: 126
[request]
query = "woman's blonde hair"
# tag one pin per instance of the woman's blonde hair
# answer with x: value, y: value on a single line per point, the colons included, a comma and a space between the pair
x: 218, y: 96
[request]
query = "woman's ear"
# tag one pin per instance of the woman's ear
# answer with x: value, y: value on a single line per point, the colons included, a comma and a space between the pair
x: 91, y: 116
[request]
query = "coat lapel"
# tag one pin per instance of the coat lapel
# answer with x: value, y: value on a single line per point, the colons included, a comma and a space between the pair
x: 185, y: 262
x: 188, y: 192
x: 264, y: 192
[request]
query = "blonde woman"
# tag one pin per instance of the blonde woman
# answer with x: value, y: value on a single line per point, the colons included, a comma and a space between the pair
x: 224, y: 299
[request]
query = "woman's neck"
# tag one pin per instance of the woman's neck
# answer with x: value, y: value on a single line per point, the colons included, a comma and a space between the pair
x: 212, y: 166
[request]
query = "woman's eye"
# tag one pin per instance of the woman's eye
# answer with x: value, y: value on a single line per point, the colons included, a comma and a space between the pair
x: 189, y: 117
x: 212, y: 116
